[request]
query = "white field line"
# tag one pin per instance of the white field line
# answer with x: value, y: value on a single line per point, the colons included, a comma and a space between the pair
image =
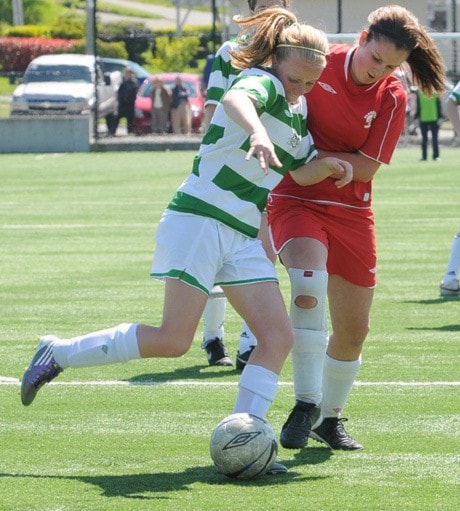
x: 13, y: 227
x: 4, y: 380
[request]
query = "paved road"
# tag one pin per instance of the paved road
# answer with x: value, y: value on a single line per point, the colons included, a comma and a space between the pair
x: 168, y: 16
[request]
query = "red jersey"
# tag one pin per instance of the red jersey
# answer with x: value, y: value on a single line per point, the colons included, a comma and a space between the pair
x: 344, y: 117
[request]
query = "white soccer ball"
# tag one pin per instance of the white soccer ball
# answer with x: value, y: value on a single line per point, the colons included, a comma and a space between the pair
x: 243, y: 446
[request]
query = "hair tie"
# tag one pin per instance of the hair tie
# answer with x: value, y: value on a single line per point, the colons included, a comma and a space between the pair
x: 301, y: 48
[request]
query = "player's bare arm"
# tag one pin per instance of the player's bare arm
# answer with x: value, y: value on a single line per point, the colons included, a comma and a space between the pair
x: 240, y: 107
x: 364, y: 168
x: 208, y: 113
x: 320, y: 168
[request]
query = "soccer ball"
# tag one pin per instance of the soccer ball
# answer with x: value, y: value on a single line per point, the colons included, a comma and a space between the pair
x: 243, y: 446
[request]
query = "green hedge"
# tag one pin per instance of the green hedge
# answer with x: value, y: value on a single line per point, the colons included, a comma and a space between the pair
x: 161, y: 49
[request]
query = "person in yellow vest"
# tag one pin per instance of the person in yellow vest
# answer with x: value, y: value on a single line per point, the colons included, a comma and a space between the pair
x: 429, y: 113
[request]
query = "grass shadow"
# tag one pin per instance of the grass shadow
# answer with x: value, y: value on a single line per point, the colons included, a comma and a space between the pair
x: 198, y: 372
x: 310, y: 456
x: 434, y: 301
x: 143, y: 486
x: 444, y: 328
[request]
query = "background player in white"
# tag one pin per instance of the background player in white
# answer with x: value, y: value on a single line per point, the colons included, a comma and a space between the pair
x: 220, y: 79
x: 450, y: 285
x: 326, y: 239
x: 262, y: 115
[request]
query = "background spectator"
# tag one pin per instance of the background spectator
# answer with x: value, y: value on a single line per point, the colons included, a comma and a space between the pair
x: 429, y: 113
x: 126, y: 98
x: 181, y: 117
x: 161, y: 104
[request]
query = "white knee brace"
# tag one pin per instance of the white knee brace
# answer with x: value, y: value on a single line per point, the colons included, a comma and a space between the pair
x: 310, y: 333
x: 309, y: 283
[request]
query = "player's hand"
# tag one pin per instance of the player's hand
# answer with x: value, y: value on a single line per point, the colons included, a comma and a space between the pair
x: 264, y: 150
x: 341, y: 171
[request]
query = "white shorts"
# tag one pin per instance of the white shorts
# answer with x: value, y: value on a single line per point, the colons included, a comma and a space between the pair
x: 204, y: 252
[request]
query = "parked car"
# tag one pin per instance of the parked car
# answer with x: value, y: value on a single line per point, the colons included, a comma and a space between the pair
x: 109, y: 65
x: 143, y: 104
x: 64, y: 84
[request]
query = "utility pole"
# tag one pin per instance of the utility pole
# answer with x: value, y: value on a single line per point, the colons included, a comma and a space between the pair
x: 339, y: 16
x: 214, y: 17
x: 454, y: 29
x: 91, y: 49
x: 18, y: 12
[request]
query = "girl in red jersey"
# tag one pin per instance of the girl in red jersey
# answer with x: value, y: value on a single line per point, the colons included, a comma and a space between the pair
x: 325, y: 236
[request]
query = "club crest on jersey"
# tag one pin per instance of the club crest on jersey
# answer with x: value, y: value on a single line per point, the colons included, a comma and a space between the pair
x: 326, y: 87
x: 294, y: 141
x: 369, y: 117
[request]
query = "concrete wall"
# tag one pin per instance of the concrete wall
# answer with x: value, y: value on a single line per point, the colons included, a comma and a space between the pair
x: 323, y: 14
x: 45, y: 135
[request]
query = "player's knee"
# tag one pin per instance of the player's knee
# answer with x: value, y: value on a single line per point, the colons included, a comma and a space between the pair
x: 352, y: 335
x: 308, y: 298
x: 305, y: 301
x: 175, y: 343
x: 361, y: 332
x: 178, y: 349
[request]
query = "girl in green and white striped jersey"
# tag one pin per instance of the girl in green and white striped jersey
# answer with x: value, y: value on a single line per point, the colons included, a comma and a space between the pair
x: 222, y: 72
x: 221, y: 77
x: 208, y: 233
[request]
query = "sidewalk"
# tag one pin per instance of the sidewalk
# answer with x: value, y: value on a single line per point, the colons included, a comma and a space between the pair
x: 124, y: 142
x: 167, y: 16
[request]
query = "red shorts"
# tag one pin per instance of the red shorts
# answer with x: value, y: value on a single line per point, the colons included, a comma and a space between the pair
x: 347, y: 233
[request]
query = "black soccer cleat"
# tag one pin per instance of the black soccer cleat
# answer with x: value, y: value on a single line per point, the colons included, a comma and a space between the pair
x: 242, y: 358
x: 332, y: 433
x: 42, y: 369
x: 296, y: 429
x: 217, y: 353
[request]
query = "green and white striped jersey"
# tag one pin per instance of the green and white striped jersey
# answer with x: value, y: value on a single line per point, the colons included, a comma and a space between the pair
x: 223, y: 185
x: 222, y: 72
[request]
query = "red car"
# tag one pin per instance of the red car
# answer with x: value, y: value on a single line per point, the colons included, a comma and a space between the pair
x: 143, y: 104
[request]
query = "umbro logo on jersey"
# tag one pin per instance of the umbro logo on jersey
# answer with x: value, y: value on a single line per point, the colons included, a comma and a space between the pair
x: 327, y: 87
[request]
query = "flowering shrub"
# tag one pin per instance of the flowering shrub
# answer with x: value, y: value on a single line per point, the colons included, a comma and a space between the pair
x: 17, y: 52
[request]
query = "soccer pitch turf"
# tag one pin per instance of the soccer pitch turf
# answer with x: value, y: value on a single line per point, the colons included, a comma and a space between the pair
x: 77, y: 243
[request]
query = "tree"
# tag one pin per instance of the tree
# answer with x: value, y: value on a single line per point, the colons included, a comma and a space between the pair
x: 36, y: 12
x: 136, y: 37
x: 175, y: 54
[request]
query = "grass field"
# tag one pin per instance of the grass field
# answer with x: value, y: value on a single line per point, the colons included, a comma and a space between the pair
x: 77, y: 242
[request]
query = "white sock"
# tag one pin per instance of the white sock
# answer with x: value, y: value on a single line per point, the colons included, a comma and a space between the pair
x: 117, y: 344
x: 213, y: 319
x: 257, y: 390
x: 338, y: 379
x: 308, y: 355
x: 453, y: 267
x: 247, y: 339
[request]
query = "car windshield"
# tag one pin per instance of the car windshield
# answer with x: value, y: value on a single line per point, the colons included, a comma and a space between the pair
x: 61, y: 73
x: 146, y: 89
x: 139, y: 71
